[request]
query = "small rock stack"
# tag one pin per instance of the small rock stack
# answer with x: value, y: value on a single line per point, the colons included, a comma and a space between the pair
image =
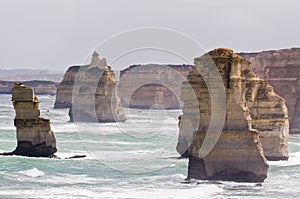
x: 34, y: 135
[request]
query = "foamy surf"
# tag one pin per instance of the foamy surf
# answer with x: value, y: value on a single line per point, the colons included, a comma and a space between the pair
x: 294, y: 159
x: 34, y: 172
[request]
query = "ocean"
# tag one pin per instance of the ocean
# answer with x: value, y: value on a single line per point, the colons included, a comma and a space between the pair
x: 135, y: 159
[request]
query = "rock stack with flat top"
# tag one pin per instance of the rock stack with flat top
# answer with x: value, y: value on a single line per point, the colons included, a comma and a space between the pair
x: 34, y: 135
x: 152, y: 85
x: 256, y: 122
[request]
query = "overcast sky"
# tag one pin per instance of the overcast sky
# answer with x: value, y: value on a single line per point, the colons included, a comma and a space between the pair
x: 54, y: 34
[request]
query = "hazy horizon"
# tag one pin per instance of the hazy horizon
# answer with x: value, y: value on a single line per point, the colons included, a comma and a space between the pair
x: 57, y: 34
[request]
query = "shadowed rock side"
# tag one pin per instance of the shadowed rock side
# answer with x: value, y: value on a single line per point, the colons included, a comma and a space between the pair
x: 34, y: 135
x: 65, y: 88
x: 95, y: 95
x: 281, y: 68
x: 152, y: 85
x: 238, y: 153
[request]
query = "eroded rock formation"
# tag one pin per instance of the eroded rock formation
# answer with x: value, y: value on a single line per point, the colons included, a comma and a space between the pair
x: 34, y: 135
x: 281, y: 68
x: 152, y: 85
x: 255, y: 124
x: 65, y: 88
x: 95, y: 95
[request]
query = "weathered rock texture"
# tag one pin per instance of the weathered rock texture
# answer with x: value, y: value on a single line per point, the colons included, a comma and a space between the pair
x: 65, y: 88
x: 281, y: 68
x: 39, y: 87
x: 95, y: 95
x: 34, y: 134
x: 256, y: 122
x: 152, y: 85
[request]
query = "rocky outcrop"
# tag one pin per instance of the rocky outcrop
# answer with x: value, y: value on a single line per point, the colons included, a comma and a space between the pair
x: 256, y: 121
x: 281, y: 68
x: 141, y: 86
x: 39, y: 87
x: 65, y: 88
x: 269, y: 116
x: 152, y: 85
x: 34, y: 135
x: 95, y: 96
x: 268, y: 113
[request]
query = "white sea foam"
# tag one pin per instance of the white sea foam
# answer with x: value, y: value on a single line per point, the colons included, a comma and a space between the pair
x: 147, y: 170
x: 294, y: 159
x: 34, y: 172
x: 203, y: 191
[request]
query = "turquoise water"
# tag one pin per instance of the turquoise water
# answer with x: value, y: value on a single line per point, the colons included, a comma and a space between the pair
x: 135, y: 159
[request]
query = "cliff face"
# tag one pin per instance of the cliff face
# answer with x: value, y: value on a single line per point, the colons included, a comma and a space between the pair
x: 152, y: 85
x: 34, y: 134
x: 255, y: 124
x: 95, y: 95
x: 281, y: 68
x: 39, y: 87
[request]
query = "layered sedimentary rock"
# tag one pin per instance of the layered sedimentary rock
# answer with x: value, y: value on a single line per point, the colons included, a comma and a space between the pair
x: 268, y: 112
x: 39, y: 87
x: 95, y: 95
x: 281, y: 68
x: 65, y: 88
x: 269, y: 116
x: 256, y: 121
x: 152, y: 85
x: 34, y: 135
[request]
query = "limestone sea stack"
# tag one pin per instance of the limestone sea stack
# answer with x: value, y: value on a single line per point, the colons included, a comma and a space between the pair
x: 255, y: 124
x: 281, y: 68
x: 268, y: 113
x: 152, y: 85
x: 95, y: 96
x: 34, y: 135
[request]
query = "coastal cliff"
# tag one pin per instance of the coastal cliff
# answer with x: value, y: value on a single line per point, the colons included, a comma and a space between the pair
x: 34, y: 135
x: 281, y: 68
x: 255, y: 127
x: 39, y: 87
x: 152, y: 85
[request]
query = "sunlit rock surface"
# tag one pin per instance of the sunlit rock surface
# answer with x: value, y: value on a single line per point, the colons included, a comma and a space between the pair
x: 95, y: 95
x: 34, y: 135
x: 152, y: 86
x: 281, y: 68
x: 256, y: 123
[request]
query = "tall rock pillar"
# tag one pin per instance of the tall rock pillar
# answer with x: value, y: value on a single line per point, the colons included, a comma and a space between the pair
x: 34, y: 135
x: 237, y: 153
